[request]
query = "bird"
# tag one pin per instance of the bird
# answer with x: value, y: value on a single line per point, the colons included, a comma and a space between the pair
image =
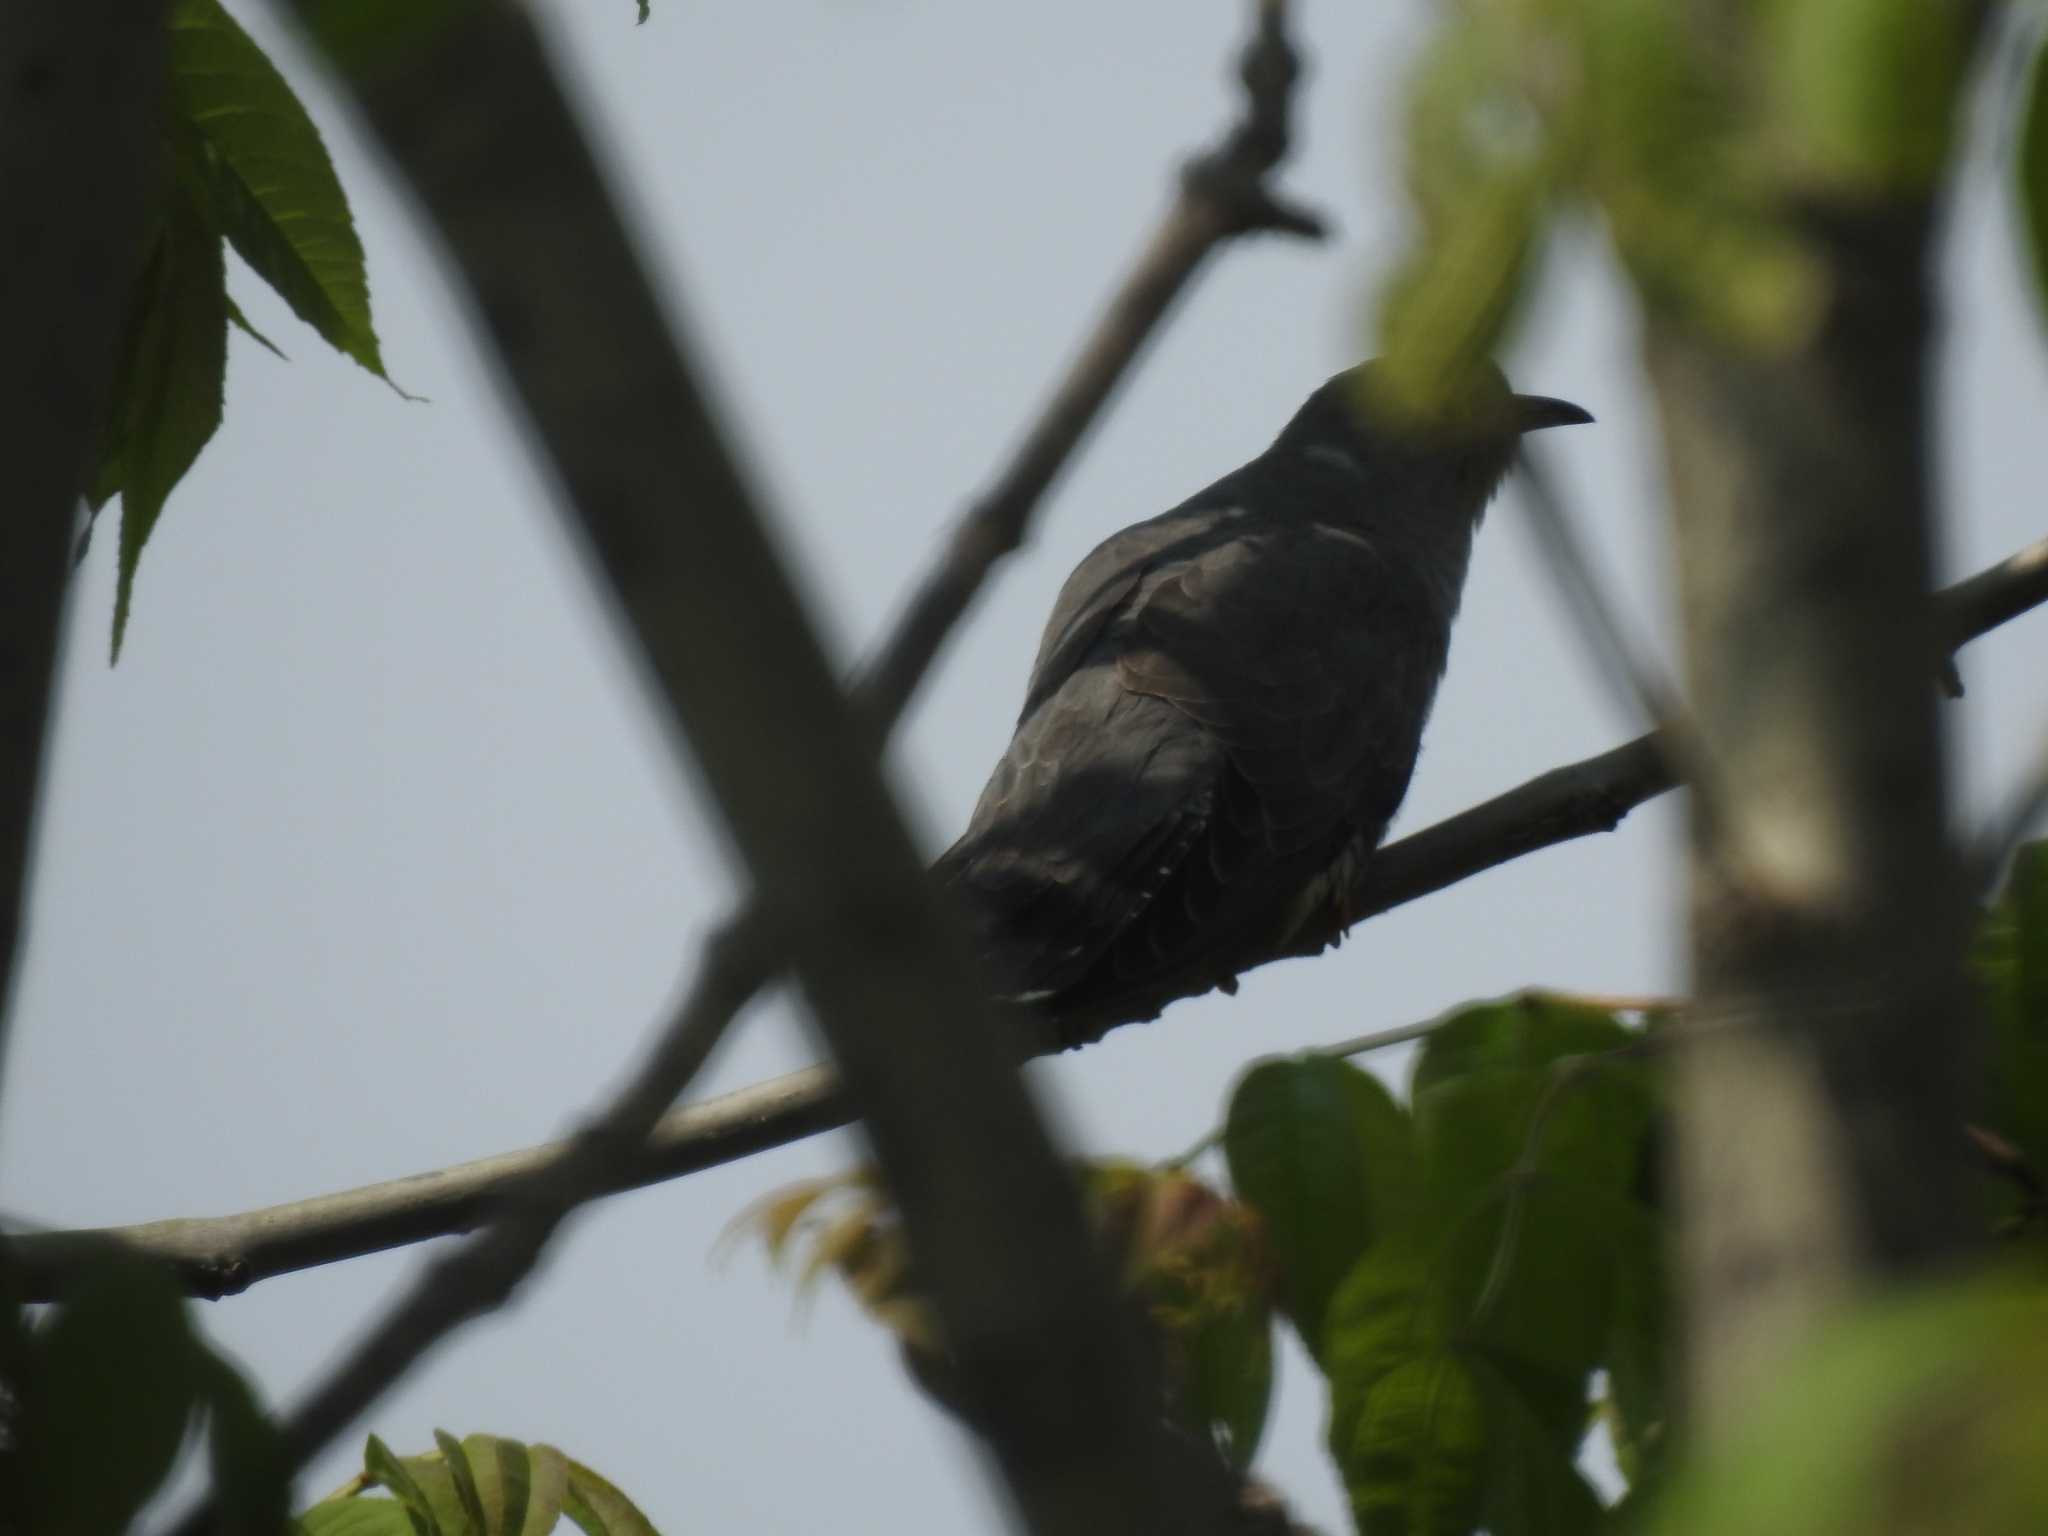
x: 1227, y: 706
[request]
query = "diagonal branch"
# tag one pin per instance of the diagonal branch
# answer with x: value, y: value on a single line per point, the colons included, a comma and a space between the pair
x: 473, y: 117
x: 218, y: 1256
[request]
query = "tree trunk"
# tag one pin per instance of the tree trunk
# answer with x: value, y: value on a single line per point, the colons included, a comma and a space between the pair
x: 1821, y: 1100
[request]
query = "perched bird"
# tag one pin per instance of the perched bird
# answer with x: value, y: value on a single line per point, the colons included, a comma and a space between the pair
x: 1226, y: 709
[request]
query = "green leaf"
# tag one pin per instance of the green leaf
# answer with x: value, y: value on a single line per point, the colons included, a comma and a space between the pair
x: 1523, y: 1033
x: 1325, y: 1155
x: 1406, y: 1424
x: 357, y: 1517
x: 601, y: 1509
x: 521, y: 1488
x: 386, y: 1470
x: 1861, y: 93
x: 1230, y: 1380
x: 1533, y: 1133
x: 463, y: 1478
x: 273, y: 190
x: 113, y: 1376
x: 241, y: 323
x: 646, y: 10
x: 1923, y: 1412
x: 167, y: 391
x: 251, y: 1486
x: 1641, y: 1349
x: 1533, y: 1486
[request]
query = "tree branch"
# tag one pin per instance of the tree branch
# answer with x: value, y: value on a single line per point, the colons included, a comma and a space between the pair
x: 218, y: 1256
x: 472, y: 115
x: 79, y: 88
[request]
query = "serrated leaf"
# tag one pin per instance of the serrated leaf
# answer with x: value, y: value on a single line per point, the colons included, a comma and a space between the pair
x: 114, y: 1375
x: 273, y: 189
x: 601, y: 1509
x: 1324, y: 1154
x: 241, y: 323
x: 167, y: 392
x: 251, y: 1485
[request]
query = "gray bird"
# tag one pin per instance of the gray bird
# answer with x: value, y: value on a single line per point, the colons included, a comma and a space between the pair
x: 1226, y: 709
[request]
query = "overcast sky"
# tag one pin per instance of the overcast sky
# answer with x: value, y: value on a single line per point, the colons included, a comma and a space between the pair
x: 368, y: 858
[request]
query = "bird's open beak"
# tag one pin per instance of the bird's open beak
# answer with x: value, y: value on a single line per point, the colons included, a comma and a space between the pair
x: 1535, y: 412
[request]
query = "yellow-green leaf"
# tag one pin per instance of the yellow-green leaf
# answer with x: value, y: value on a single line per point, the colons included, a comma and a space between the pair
x: 600, y: 1508
x: 1862, y: 93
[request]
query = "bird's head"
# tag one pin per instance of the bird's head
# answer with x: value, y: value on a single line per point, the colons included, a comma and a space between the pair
x: 1355, y: 430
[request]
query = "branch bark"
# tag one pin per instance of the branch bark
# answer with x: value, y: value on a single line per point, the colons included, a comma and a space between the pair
x: 1815, y: 1149
x: 219, y: 1256
x: 79, y: 88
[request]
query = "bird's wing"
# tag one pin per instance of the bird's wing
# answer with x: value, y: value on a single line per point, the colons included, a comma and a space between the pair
x: 1101, y: 586
x: 1309, y: 659
x: 1199, y: 740
x: 1092, y: 809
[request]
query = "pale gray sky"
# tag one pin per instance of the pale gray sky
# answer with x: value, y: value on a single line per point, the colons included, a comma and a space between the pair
x: 367, y: 859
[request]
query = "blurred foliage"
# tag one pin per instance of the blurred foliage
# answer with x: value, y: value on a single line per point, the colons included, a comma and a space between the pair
x: 103, y: 1391
x: 1195, y: 1261
x: 1706, y: 139
x: 1922, y: 1412
x: 481, y: 1485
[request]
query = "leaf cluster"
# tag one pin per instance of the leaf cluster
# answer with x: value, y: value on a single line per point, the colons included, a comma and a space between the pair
x: 1480, y: 1276
x: 1463, y: 1267
x: 244, y: 167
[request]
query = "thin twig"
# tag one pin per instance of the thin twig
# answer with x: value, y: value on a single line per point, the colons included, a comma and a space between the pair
x: 1621, y: 660
x: 483, y: 1273
x: 1402, y: 1034
x: 217, y: 1256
